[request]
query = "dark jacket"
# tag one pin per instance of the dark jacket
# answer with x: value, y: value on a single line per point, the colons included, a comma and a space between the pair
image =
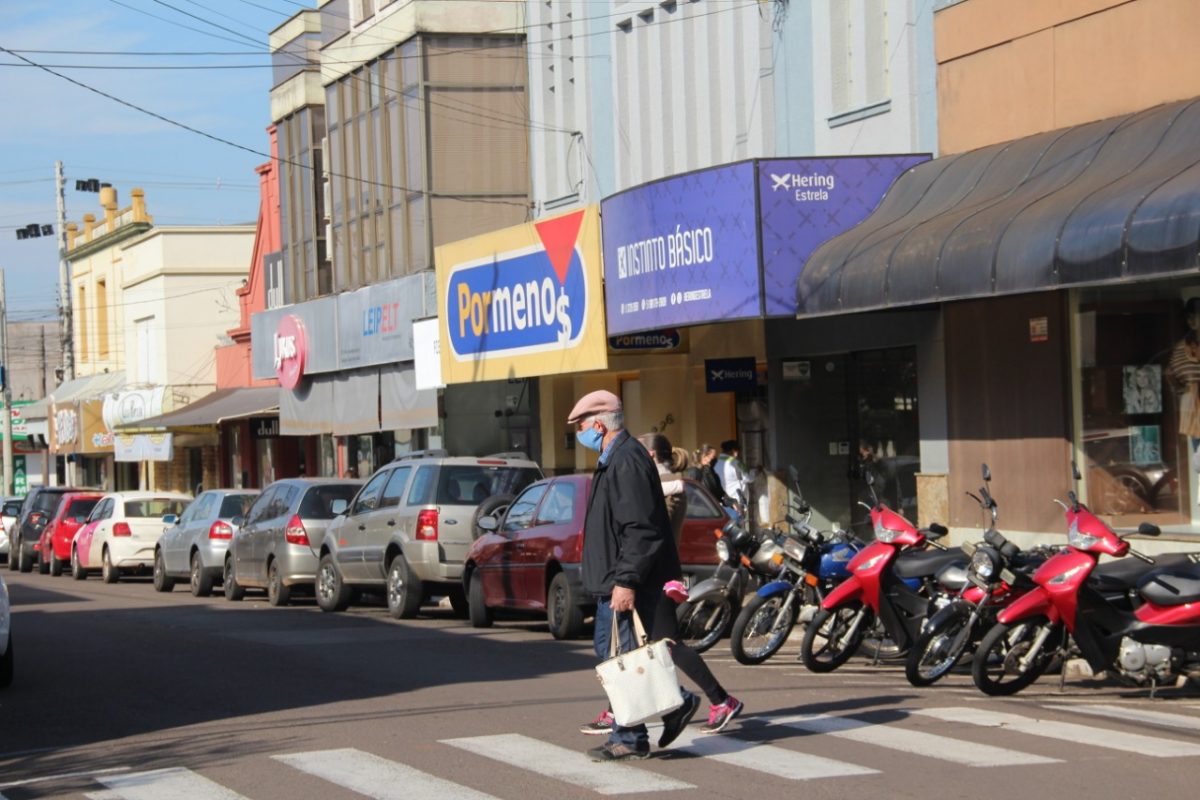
x: 627, y: 537
x: 707, y: 476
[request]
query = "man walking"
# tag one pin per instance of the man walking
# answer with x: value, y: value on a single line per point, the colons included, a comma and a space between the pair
x: 628, y: 556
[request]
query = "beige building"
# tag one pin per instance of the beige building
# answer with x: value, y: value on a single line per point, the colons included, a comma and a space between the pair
x: 149, y: 305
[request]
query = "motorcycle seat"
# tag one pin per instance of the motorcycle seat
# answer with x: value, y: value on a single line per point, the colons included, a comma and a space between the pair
x: 1174, y: 586
x: 926, y: 563
x: 1123, y: 574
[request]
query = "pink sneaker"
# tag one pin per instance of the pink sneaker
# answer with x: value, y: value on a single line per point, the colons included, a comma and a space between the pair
x: 722, y: 714
x: 676, y: 591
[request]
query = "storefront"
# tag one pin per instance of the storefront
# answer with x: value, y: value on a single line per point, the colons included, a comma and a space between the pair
x: 1060, y: 265
x: 78, y: 437
x: 344, y: 365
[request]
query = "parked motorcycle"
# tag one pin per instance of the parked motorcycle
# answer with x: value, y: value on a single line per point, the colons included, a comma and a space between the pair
x: 1147, y: 634
x: 998, y: 572
x: 746, y: 560
x: 893, y: 581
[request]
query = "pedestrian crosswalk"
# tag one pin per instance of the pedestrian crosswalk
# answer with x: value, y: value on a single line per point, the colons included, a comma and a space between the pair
x: 774, y: 745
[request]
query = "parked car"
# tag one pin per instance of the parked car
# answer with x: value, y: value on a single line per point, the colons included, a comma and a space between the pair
x: 410, y: 526
x: 194, y: 548
x: 6, y: 654
x: 276, y: 543
x: 530, y: 558
x: 122, y: 532
x: 10, y: 510
x: 54, y: 548
x: 37, y: 510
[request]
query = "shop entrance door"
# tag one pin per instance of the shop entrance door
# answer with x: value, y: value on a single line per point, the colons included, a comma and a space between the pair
x: 843, y: 415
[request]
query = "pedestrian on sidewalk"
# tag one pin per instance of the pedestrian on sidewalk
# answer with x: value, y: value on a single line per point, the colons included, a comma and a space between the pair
x: 629, y: 555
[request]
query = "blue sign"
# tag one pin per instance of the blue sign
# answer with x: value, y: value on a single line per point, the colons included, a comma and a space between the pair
x: 668, y: 339
x: 516, y: 303
x: 805, y: 202
x: 682, y: 251
x: 729, y: 374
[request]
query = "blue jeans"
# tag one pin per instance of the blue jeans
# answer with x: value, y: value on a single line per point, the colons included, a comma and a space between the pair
x: 635, y: 736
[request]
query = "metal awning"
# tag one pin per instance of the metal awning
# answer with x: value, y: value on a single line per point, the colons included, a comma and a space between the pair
x: 1106, y: 202
x: 221, y: 405
x: 83, y: 388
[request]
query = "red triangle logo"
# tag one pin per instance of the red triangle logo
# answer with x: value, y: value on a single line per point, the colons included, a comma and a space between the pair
x: 558, y: 237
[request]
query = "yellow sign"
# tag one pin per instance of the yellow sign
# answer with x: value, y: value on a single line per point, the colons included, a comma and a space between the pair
x: 524, y: 301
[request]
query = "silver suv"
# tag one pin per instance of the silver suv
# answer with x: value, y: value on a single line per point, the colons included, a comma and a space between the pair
x: 409, y: 528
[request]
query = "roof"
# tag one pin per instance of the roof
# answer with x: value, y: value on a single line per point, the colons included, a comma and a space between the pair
x: 1112, y: 201
x: 218, y: 406
x: 86, y: 387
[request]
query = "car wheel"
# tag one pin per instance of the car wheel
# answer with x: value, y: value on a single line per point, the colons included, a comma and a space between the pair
x: 199, y: 578
x: 563, y: 613
x: 43, y: 564
x: 24, y: 560
x: 6, y: 664
x: 12, y: 556
x: 162, y: 582
x: 477, y: 611
x: 109, y: 573
x: 332, y: 592
x: 403, y: 589
x: 278, y: 593
x: 77, y: 570
x: 492, y: 506
x: 56, y: 565
x: 233, y: 589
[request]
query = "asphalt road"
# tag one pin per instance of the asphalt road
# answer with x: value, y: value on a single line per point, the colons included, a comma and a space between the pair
x: 124, y: 693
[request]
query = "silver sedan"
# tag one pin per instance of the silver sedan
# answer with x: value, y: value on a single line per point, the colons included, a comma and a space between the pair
x: 194, y: 548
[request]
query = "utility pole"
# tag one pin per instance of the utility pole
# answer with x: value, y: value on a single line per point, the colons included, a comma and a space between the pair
x: 64, y: 278
x: 5, y: 378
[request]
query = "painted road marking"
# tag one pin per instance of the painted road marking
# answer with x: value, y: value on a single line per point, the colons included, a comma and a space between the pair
x: 165, y: 784
x: 777, y: 761
x: 377, y: 777
x: 1129, y: 714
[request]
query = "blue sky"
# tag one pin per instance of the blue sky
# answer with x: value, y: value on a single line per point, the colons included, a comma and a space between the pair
x: 189, y: 180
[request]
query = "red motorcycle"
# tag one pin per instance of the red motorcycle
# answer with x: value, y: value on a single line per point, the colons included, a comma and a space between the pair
x: 893, y: 582
x: 1139, y: 621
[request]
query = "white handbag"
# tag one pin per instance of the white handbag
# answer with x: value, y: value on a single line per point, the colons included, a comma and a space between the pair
x: 641, y: 684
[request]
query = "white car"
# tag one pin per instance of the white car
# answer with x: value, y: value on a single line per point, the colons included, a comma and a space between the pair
x: 10, y: 510
x: 6, y: 646
x: 122, y: 531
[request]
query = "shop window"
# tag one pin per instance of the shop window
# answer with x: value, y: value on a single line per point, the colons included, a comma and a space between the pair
x: 1140, y: 400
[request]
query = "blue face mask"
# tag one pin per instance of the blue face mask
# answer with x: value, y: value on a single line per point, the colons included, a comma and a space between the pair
x: 590, y: 438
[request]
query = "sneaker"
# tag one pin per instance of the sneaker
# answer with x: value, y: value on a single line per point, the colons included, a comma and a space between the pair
x: 601, y: 725
x: 721, y: 714
x: 677, y: 720
x: 676, y: 591
x: 616, y: 751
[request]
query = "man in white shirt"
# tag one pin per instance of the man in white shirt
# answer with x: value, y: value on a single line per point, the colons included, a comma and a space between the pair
x: 731, y: 472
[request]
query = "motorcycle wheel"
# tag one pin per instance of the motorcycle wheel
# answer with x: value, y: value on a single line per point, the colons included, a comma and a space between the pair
x: 827, y: 643
x: 939, y: 648
x: 703, y: 622
x: 756, y: 634
x: 996, y: 667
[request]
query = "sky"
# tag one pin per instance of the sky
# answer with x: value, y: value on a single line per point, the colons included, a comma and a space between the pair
x: 188, y: 179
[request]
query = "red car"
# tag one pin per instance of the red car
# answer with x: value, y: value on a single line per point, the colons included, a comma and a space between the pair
x: 530, y: 561
x: 54, y: 546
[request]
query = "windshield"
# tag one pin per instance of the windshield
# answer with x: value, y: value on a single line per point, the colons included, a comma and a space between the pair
x: 81, y: 508
x: 318, y: 502
x: 471, y: 485
x: 236, y: 505
x: 154, y: 507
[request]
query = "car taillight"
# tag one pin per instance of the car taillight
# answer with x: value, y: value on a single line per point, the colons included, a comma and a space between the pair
x: 427, y: 524
x: 121, y: 529
x: 294, y: 532
x: 220, y: 530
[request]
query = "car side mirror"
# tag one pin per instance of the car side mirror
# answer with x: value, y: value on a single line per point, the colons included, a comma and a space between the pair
x: 170, y: 519
x: 238, y: 521
x: 488, y: 523
x: 338, y: 507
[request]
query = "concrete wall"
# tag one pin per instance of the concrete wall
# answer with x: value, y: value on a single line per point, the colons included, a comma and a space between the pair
x: 1010, y: 68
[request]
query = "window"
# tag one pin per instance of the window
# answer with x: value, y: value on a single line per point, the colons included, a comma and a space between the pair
x: 235, y: 505
x: 395, y: 487
x: 858, y: 53
x: 368, y: 498
x: 258, y: 511
x: 559, y: 506
x: 423, y: 486
x: 81, y: 310
x: 471, y: 485
x: 520, y: 513
x: 154, y: 507
x: 79, y: 509
x: 147, y: 350
x: 322, y: 502
x: 284, y: 500
x: 102, y: 318
x: 197, y: 509
x: 698, y: 504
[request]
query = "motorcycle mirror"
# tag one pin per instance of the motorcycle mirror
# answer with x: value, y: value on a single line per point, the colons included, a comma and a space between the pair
x: 1075, y: 471
x: 1149, y: 529
x: 987, y: 474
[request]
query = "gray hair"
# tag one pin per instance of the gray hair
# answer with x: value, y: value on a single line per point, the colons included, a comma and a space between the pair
x: 612, y: 420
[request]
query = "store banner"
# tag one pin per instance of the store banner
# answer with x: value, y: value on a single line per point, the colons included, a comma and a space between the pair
x: 427, y: 355
x: 682, y: 251
x: 275, y: 346
x: 524, y: 301
x: 805, y: 202
x: 730, y: 374
x: 133, y: 406
x: 143, y: 447
x: 375, y: 322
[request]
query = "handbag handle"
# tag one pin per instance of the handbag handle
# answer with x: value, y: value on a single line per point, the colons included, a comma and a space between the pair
x: 639, y: 631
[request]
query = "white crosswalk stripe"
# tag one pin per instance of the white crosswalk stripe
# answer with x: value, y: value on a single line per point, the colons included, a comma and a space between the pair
x: 569, y: 766
x: 377, y: 777
x: 773, y: 760
x: 1131, y: 714
x: 1085, y: 735
x: 930, y: 745
x: 164, y: 784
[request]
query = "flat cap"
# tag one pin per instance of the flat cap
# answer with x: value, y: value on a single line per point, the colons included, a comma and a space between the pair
x: 597, y: 402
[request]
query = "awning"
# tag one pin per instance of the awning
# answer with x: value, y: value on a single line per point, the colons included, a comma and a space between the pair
x: 84, y: 388
x: 1107, y: 202
x: 221, y: 405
